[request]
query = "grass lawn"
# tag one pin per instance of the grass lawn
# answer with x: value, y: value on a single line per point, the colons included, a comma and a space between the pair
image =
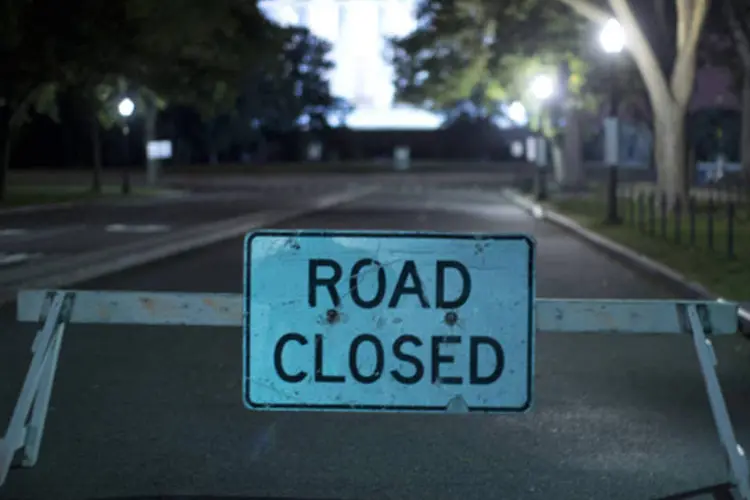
x: 39, y: 195
x: 669, y: 241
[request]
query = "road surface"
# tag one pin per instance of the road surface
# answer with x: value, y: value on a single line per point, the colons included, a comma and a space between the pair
x: 158, y: 411
x: 31, y: 238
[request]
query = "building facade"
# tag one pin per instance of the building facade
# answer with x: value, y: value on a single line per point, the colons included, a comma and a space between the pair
x: 358, y: 31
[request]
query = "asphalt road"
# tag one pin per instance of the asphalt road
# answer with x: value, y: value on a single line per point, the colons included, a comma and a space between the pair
x: 158, y: 411
x: 28, y: 238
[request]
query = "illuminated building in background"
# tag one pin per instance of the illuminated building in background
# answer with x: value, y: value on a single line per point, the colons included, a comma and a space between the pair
x: 357, y: 30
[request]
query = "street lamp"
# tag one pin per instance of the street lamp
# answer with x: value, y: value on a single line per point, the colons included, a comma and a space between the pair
x: 612, y: 37
x: 517, y: 113
x: 542, y: 88
x: 126, y: 108
x: 612, y: 41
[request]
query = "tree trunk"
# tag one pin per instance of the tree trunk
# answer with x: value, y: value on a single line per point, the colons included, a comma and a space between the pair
x: 669, y: 96
x: 213, y: 153
x: 573, y: 173
x: 559, y: 163
x: 262, y: 149
x: 149, y: 134
x: 213, y: 157
x: 5, y: 146
x: 671, y: 151
x: 745, y: 131
x: 96, y: 156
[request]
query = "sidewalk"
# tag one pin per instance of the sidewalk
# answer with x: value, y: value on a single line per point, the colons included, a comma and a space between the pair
x: 701, y: 273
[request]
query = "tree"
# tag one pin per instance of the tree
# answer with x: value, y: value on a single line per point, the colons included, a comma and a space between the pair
x: 482, y: 52
x: 462, y: 44
x: 281, y: 88
x: 83, y: 55
x: 294, y: 84
x: 292, y: 90
x: 29, y: 70
x: 41, y: 55
x: 230, y: 42
x: 537, y: 27
x: 669, y: 80
x: 735, y: 15
x: 185, y: 51
x: 95, y: 57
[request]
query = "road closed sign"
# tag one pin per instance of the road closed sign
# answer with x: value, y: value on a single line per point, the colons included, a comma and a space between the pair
x: 375, y: 321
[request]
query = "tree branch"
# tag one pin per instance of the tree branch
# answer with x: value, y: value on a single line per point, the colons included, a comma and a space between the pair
x: 696, y: 21
x: 684, y: 10
x: 589, y: 10
x: 681, y: 81
x: 643, y: 53
x: 740, y: 32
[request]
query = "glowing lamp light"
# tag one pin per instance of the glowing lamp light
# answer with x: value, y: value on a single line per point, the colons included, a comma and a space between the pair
x: 612, y: 37
x: 126, y: 107
x: 517, y: 113
x: 543, y: 87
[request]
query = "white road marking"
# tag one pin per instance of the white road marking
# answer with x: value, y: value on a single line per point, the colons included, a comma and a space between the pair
x: 37, y: 233
x: 13, y: 231
x: 7, y: 259
x: 136, y: 228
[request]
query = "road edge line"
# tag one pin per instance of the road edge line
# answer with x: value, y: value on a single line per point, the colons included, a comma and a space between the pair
x: 622, y: 252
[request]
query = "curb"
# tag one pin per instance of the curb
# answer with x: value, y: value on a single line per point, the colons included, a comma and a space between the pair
x: 623, y: 253
x: 87, y: 266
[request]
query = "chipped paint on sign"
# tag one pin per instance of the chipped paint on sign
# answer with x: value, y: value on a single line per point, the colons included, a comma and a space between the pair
x: 348, y: 320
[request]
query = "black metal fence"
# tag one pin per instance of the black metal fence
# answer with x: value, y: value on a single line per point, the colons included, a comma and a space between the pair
x: 715, y: 218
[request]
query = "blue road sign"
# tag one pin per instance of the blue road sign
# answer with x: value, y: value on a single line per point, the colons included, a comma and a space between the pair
x: 376, y: 321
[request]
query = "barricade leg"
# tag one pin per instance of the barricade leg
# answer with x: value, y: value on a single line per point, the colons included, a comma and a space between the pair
x: 37, y: 388
x: 737, y: 461
x: 35, y: 428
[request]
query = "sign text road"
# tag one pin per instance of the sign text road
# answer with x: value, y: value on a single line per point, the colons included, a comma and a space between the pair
x: 388, y: 321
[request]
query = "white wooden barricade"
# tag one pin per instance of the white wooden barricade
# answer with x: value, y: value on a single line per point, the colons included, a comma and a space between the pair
x: 57, y: 308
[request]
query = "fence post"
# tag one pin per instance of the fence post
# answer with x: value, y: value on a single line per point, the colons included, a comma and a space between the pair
x: 631, y: 205
x: 652, y: 214
x: 663, y: 210
x: 710, y: 223
x: 691, y: 220
x: 677, y: 220
x: 730, y: 230
x: 641, y: 212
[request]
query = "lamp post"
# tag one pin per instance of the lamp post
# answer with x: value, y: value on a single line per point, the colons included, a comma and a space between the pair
x: 542, y: 88
x: 612, y: 41
x: 126, y: 108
